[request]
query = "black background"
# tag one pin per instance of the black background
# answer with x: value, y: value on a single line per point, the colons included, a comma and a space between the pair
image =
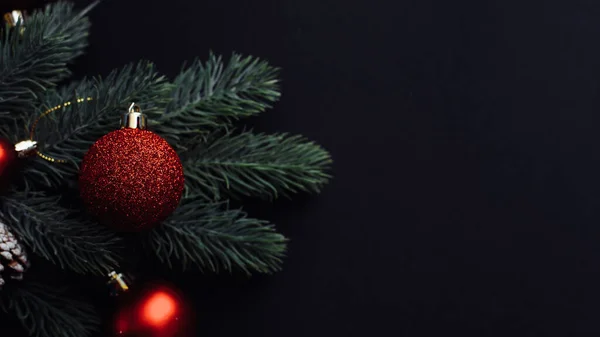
x: 465, y: 138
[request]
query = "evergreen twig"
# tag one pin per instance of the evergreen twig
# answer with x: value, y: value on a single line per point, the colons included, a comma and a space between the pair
x: 212, y: 94
x: 59, y: 235
x: 257, y: 165
x: 213, y: 238
x: 37, y: 60
x: 46, y: 311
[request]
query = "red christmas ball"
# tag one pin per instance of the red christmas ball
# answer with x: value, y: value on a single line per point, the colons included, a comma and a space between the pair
x: 157, y: 310
x: 131, y: 179
x: 8, y: 163
x: 8, y: 156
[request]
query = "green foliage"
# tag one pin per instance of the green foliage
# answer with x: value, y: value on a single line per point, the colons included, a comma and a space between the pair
x: 257, y: 165
x: 36, y: 61
x: 212, y: 94
x: 46, y: 311
x: 213, y: 238
x: 58, y: 235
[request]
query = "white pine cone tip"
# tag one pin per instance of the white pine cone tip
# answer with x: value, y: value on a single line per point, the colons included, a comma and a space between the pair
x: 12, y: 255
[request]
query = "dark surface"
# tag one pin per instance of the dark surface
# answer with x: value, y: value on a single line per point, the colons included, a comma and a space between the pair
x: 465, y: 139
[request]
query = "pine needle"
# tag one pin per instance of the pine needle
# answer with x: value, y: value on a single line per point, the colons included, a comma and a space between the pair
x: 213, y: 94
x: 58, y: 235
x: 257, y: 165
x: 213, y: 238
x: 46, y: 311
x: 37, y: 60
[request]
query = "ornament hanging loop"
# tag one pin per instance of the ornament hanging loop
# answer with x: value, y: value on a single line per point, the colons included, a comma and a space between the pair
x: 134, y: 118
x: 30, y: 146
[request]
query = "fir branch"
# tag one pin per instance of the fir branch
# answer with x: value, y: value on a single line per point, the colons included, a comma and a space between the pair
x: 214, y: 94
x: 59, y: 235
x: 211, y: 237
x: 36, y: 61
x: 260, y: 165
x: 46, y: 311
x: 69, y: 132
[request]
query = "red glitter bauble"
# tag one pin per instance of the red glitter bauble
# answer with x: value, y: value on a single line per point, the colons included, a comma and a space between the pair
x: 131, y: 179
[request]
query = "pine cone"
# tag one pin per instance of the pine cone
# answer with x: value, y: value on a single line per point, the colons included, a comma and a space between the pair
x: 12, y: 255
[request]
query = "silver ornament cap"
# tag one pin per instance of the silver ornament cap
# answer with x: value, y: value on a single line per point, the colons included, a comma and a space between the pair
x: 133, y: 118
x: 26, y: 148
x: 13, y: 18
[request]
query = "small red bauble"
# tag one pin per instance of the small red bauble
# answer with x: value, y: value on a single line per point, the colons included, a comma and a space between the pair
x: 8, y: 157
x: 131, y: 179
x: 157, y: 310
x: 9, y: 163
